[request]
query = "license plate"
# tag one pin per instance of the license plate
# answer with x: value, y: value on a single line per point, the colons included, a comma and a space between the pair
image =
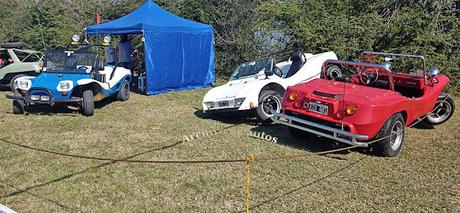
x: 318, y: 108
x: 225, y: 104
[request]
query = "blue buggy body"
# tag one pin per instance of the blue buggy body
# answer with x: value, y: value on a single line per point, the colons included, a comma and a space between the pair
x: 71, y: 78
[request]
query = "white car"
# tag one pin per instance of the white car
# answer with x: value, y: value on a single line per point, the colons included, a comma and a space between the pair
x: 260, y: 85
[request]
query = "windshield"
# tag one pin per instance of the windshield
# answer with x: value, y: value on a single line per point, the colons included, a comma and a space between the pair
x: 56, y: 60
x: 252, y: 68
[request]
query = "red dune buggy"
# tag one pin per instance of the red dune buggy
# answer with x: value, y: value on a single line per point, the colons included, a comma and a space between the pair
x: 368, y: 101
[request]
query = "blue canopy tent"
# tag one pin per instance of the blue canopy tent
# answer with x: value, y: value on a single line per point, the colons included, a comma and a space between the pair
x: 179, y: 53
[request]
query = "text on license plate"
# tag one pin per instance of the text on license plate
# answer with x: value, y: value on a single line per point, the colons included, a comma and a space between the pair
x: 318, y: 108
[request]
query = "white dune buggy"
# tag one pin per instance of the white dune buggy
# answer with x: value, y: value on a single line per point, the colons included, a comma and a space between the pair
x: 260, y: 85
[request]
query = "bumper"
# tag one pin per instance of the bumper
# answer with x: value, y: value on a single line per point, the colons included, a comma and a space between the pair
x: 27, y: 98
x: 321, y: 130
x: 217, y: 111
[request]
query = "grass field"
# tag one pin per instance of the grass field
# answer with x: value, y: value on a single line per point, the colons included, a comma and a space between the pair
x: 425, y: 177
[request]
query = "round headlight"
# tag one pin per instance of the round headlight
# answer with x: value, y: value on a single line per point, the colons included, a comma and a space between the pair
x: 64, y: 86
x: 24, y: 84
x: 76, y: 38
x: 107, y: 39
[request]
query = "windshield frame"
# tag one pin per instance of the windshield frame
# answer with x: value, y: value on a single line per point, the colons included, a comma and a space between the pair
x: 89, y: 57
x: 250, y: 74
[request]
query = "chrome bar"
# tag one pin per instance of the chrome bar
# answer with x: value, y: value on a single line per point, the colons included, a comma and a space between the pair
x: 287, y: 121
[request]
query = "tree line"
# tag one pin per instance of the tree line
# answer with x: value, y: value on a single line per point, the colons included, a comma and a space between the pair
x: 248, y: 29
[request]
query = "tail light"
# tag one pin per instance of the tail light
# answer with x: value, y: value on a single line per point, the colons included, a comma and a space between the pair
x: 350, y: 110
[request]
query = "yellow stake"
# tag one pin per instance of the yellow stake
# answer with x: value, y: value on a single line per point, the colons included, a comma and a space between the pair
x: 249, y: 160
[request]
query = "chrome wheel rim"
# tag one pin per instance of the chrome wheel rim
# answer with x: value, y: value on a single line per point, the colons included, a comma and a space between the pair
x: 271, y: 103
x: 396, y: 135
x: 441, y: 112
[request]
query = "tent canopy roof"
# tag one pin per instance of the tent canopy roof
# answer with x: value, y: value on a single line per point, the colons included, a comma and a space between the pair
x: 150, y: 17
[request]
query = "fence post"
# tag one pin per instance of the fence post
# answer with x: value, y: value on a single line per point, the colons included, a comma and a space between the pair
x: 249, y: 160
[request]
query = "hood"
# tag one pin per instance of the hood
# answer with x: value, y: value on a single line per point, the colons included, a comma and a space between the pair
x: 231, y: 89
x: 51, y: 79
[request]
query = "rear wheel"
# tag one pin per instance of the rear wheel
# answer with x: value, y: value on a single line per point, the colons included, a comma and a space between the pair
x: 18, y: 105
x: 269, y: 100
x: 443, y: 110
x: 123, y: 94
x: 87, y: 105
x: 391, y: 137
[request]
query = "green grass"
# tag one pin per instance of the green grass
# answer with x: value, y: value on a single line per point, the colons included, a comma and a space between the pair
x: 424, y: 177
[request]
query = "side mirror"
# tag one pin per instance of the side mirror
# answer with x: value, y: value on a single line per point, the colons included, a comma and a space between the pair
x: 433, y: 71
x: 269, y: 72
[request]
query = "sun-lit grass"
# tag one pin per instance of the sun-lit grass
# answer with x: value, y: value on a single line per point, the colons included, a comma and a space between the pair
x: 424, y: 177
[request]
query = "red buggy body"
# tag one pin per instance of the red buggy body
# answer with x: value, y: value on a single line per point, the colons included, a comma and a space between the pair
x: 358, y: 109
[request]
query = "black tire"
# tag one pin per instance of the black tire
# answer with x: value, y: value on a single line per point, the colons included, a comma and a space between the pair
x: 87, y: 105
x: 12, y: 85
x: 123, y: 94
x: 18, y: 105
x: 391, y: 137
x: 442, y: 112
x: 268, y: 100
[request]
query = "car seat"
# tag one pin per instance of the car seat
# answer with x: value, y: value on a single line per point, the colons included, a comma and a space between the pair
x: 297, y: 63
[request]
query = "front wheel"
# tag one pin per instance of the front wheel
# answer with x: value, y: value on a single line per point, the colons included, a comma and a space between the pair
x: 18, y: 105
x: 391, y: 137
x: 443, y: 110
x: 269, y: 100
x: 87, y: 105
x: 123, y: 94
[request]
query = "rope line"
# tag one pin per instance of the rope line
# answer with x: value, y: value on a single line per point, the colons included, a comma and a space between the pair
x: 122, y: 160
x: 209, y: 161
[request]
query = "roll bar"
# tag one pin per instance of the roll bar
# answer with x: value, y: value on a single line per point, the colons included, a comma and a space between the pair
x: 359, y: 64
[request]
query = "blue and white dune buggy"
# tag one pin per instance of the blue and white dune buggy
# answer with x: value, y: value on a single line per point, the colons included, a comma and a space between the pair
x: 75, y: 79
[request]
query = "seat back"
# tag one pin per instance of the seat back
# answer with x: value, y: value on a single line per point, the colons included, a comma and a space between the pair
x: 297, y: 63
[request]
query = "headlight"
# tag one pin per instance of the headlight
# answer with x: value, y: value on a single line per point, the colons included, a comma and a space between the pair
x: 64, y: 86
x: 107, y: 40
x: 75, y: 39
x: 239, y: 101
x: 24, y: 84
x: 209, y: 105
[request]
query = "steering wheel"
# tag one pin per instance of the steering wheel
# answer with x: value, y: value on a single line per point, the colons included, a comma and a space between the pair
x: 368, y: 76
x: 277, y: 71
x: 85, y: 68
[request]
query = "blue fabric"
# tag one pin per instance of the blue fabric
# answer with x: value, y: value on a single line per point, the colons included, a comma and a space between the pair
x: 179, y: 53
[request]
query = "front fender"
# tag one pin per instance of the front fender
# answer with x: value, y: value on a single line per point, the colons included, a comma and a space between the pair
x: 252, y: 92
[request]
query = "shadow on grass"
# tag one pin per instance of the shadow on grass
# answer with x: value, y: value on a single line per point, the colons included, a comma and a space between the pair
x: 63, y: 110
x: 238, y: 117
x: 43, y: 198
x: 423, y: 125
x: 293, y: 191
x: 311, y: 143
x: 27, y: 189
